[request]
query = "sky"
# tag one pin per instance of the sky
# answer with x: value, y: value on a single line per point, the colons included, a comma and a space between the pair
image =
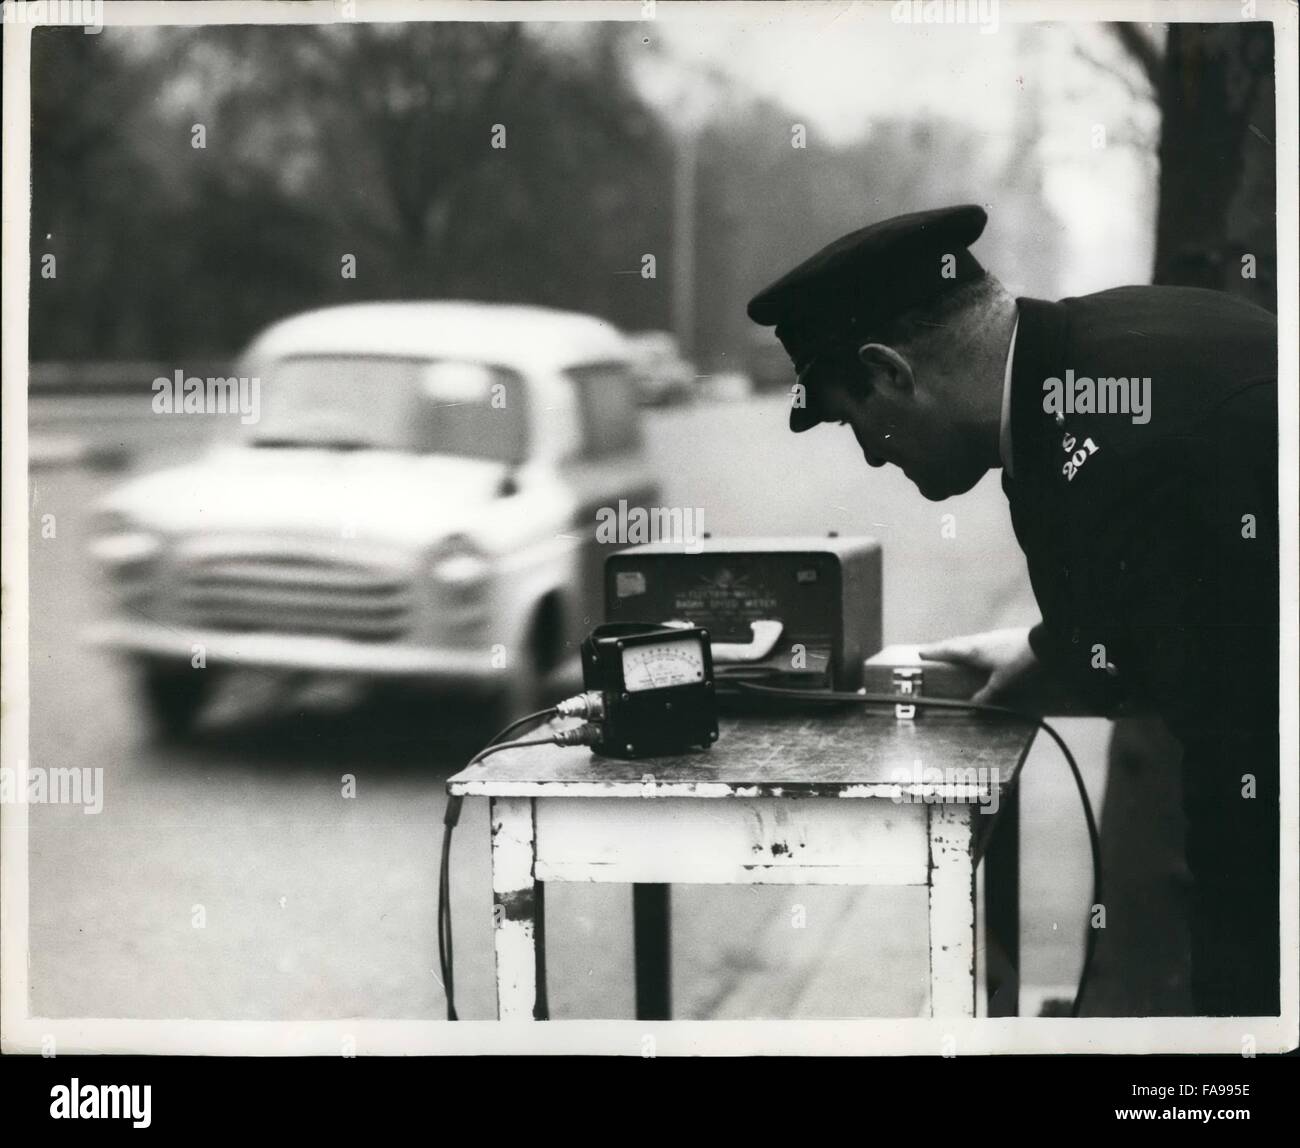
x: 838, y: 66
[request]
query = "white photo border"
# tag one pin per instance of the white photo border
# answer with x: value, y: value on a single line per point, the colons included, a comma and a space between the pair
x: 23, y: 1033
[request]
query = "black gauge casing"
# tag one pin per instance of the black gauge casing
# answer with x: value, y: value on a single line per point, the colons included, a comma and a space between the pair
x: 648, y: 720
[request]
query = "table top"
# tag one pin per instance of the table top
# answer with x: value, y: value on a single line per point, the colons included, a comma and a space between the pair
x: 848, y: 752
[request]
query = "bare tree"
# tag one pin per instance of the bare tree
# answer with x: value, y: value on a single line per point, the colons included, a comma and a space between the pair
x: 1215, y: 225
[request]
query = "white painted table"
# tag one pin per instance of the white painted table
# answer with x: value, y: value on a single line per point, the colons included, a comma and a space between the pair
x: 825, y: 797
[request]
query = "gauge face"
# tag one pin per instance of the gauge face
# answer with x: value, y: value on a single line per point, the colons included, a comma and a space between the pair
x: 658, y: 665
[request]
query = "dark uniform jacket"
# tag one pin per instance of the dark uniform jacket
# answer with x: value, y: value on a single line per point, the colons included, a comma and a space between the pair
x: 1153, y: 552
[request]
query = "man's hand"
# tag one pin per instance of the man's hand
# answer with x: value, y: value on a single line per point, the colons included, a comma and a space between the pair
x: 1005, y: 654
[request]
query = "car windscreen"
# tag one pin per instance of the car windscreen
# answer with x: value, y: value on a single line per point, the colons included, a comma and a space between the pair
x: 452, y: 407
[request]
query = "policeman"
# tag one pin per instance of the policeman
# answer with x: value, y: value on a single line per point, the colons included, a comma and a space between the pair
x: 1136, y: 431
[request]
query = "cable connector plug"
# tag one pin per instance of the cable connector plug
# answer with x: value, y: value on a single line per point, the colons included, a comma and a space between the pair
x: 585, y: 705
x: 586, y: 734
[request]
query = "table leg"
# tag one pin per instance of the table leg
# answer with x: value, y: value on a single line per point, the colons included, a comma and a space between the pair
x: 515, y: 909
x: 1002, y: 909
x: 952, y: 911
x: 542, y: 1010
x: 651, y: 946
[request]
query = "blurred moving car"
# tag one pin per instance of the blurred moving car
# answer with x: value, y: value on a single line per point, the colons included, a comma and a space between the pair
x: 416, y: 502
x: 663, y: 376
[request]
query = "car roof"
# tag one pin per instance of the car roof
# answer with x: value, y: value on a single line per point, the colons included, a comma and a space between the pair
x: 653, y: 338
x: 517, y: 336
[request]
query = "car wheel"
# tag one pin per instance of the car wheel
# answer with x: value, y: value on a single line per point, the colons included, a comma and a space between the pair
x: 174, y: 693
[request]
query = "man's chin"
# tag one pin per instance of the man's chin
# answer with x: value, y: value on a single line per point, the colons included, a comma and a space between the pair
x: 938, y: 488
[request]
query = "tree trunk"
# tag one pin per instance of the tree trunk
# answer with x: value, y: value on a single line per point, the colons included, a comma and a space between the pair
x: 1217, y: 185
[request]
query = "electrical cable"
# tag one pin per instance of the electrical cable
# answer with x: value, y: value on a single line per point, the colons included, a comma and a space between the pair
x: 582, y: 735
x: 549, y: 711
x: 1094, y: 842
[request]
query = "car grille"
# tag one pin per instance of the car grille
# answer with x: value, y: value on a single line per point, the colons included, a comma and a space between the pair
x: 296, y: 594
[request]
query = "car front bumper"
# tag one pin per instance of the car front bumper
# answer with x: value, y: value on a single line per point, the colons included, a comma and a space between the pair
x: 302, y: 653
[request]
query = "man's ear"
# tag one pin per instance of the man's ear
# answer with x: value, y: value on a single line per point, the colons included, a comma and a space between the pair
x: 886, y: 366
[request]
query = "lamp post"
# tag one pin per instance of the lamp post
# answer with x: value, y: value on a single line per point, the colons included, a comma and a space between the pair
x: 687, y: 98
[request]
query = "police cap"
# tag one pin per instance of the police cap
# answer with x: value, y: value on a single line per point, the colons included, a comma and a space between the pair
x: 829, y: 305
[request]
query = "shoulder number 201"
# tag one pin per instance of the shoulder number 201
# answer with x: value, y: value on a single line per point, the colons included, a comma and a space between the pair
x: 1078, y: 458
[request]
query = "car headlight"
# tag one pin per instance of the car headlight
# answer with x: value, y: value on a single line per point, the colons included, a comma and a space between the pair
x: 459, y: 565
x: 118, y: 542
x: 131, y: 549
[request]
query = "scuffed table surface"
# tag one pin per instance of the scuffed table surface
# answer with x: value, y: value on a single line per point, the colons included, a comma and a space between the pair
x: 833, y: 752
